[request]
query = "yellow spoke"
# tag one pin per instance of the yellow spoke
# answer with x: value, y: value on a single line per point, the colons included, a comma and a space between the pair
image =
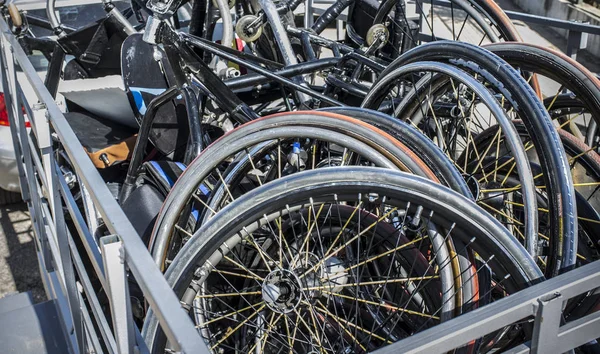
x: 253, y: 167
x: 588, y: 184
x: 295, y: 331
x: 282, y: 239
x: 338, y: 319
x: 554, y: 100
x: 527, y: 147
x: 347, y: 331
x: 233, y: 273
x: 511, y: 189
x: 544, y: 210
x: 314, y: 321
x: 229, y: 333
x: 208, y: 296
x: 510, y: 171
x: 203, y: 203
x: 263, y: 337
x: 183, y: 230
x: 337, y: 237
x: 316, y: 266
x: 257, y: 277
x: 261, y: 253
x: 229, y: 315
x: 479, y: 164
x: 572, y: 159
x: 568, y: 121
x: 382, y: 304
x: 309, y: 231
x: 498, y: 153
x: 374, y: 282
x: 511, y: 219
x: 225, y: 185
x: 588, y: 220
x: 314, y: 335
x: 439, y: 128
x: 287, y: 330
x: 385, y: 253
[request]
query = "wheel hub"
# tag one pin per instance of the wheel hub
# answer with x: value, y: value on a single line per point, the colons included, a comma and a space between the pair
x: 494, y: 195
x: 282, y: 290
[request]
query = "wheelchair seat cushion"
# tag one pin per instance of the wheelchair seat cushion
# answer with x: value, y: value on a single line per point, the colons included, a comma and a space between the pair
x: 105, y: 142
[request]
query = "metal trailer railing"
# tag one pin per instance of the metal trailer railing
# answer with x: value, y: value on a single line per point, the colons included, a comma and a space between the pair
x: 67, y: 282
x: 114, y: 258
x: 541, y: 305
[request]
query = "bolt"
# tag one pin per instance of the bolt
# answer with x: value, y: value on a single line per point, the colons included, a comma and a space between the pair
x: 416, y: 220
x: 104, y: 158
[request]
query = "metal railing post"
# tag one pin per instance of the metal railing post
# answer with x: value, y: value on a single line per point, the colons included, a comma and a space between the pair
x: 575, y: 42
x: 118, y: 292
x: 547, y: 322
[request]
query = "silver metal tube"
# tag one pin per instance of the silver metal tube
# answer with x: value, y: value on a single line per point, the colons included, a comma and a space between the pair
x: 283, y: 41
x: 52, y: 17
x: 118, y: 16
x: 227, y: 37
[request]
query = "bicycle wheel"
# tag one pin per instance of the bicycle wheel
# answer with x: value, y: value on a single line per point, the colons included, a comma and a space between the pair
x: 304, y: 135
x: 472, y: 21
x: 334, y: 286
x: 585, y: 167
x: 515, y: 92
x: 557, y: 72
x: 430, y: 153
x: 452, y: 108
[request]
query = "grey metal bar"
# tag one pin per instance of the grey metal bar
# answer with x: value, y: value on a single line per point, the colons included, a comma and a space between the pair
x: 88, y: 289
x: 476, y: 324
x: 65, y: 255
x: 118, y: 292
x: 552, y: 22
x: 87, y: 239
x: 90, y: 331
x: 175, y: 322
x: 578, y: 332
x: 547, y: 321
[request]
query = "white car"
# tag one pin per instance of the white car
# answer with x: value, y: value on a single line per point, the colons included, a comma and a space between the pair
x: 10, y: 191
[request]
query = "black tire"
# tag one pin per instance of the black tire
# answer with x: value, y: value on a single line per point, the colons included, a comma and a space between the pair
x: 8, y: 198
x: 507, y: 81
x: 485, y: 13
x: 430, y: 153
x: 393, y: 154
x: 508, y: 257
x: 442, y: 75
x: 556, y: 66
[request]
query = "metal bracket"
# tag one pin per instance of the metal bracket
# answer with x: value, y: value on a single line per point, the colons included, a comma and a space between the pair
x: 118, y: 292
x: 547, y: 323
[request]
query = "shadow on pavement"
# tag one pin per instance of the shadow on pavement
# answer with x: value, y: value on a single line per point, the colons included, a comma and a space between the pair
x: 19, y: 270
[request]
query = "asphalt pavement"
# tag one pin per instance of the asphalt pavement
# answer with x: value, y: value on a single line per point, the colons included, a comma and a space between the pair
x: 19, y: 270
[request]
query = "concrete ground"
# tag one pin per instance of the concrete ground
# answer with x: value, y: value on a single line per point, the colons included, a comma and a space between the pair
x: 19, y: 270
